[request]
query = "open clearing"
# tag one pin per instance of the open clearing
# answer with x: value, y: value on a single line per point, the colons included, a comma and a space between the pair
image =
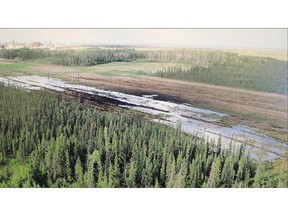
x: 129, y: 68
x: 241, y: 100
x: 266, y: 111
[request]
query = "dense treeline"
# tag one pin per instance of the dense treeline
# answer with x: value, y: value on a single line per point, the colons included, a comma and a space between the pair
x: 257, y: 74
x: 198, y: 57
x: 26, y: 54
x: 94, y: 57
x: 46, y: 141
x: 214, y: 67
x: 87, y: 57
x: 223, y: 68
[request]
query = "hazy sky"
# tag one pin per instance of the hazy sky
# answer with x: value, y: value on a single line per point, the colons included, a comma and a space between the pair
x: 206, y: 38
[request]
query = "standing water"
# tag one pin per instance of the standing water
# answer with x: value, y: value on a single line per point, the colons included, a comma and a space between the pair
x: 203, y: 122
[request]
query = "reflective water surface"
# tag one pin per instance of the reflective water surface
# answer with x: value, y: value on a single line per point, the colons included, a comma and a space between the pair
x: 203, y: 122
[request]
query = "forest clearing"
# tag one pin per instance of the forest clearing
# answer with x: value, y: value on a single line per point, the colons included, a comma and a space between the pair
x: 239, y: 100
x: 263, y: 110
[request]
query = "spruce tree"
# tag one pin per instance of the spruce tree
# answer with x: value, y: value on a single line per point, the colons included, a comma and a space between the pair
x: 215, y: 174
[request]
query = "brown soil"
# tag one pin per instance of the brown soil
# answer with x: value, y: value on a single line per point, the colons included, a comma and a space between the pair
x: 248, y: 103
x: 54, y: 69
x: 266, y: 105
x: 5, y: 61
x: 240, y: 100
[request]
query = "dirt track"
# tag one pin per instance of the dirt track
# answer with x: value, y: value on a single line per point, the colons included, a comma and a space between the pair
x: 266, y: 104
x: 265, y: 111
x: 54, y: 69
x: 240, y: 100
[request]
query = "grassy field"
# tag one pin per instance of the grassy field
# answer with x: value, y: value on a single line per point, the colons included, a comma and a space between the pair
x: 134, y: 68
x: 25, y: 68
x: 16, y: 68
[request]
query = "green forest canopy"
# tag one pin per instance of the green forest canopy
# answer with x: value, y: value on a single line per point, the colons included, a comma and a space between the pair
x: 47, y: 141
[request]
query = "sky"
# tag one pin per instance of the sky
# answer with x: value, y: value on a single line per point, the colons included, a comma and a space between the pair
x: 199, y: 38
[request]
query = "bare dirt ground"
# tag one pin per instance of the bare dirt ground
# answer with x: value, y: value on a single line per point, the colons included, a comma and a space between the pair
x: 240, y: 100
x: 54, y: 69
x: 5, y: 61
x: 250, y: 107
x: 273, y: 105
x: 254, y: 107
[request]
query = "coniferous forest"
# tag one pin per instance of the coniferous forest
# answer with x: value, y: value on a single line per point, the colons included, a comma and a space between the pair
x: 49, y: 141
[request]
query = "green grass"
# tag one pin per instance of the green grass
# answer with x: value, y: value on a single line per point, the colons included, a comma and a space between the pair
x: 134, y: 69
x: 116, y: 73
x: 25, y: 68
x: 228, y: 121
x: 274, y: 133
x: 17, y: 68
x: 272, y: 127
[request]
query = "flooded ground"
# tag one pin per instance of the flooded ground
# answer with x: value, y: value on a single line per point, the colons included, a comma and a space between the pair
x: 203, y: 122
